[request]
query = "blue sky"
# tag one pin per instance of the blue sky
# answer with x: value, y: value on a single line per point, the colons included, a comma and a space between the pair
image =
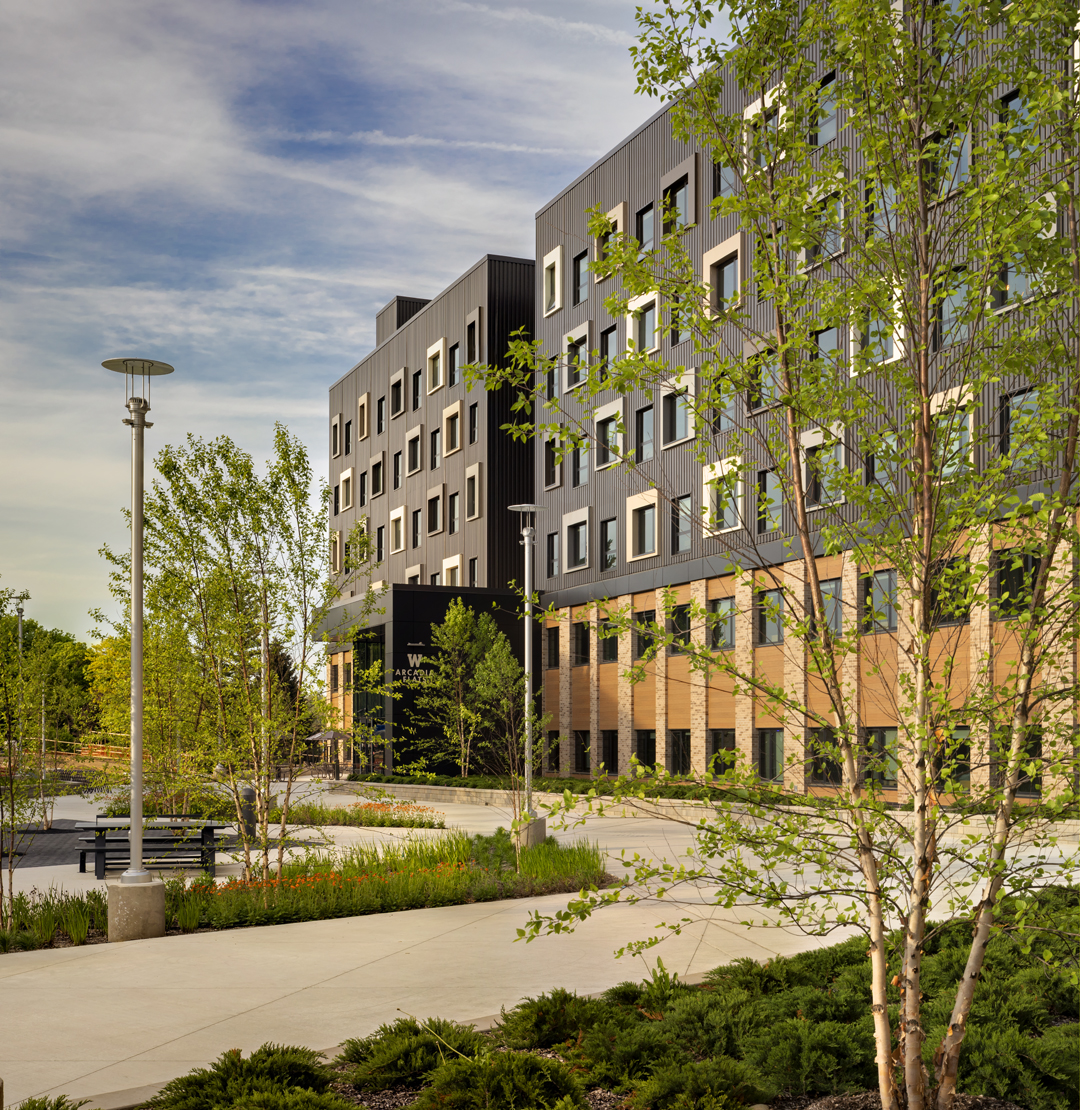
x: 236, y: 188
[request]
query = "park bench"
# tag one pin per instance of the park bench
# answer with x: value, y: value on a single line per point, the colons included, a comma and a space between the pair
x: 173, y: 840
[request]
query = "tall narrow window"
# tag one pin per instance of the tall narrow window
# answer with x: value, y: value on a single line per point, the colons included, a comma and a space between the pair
x: 472, y: 507
x: 832, y: 598
x: 582, y: 762
x: 453, y: 513
x: 551, y: 655
x: 825, y: 125
x: 645, y: 328
x: 682, y: 519
x: 380, y: 416
x: 434, y: 514
x: 579, y: 644
x: 376, y: 479
x: 607, y: 352
x: 581, y: 277
x: 823, y: 463
x: 335, y: 437
x: 380, y: 543
x: 644, y: 530
x: 770, y: 745
x: 397, y: 470
x: 644, y: 637
x: 348, y: 436
x: 883, y: 756
x: 880, y: 612
x: 397, y: 400
x: 470, y: 342
x: 608, y: 642
x: 676, y: 206
x: 722, y: 623
x: 1017, y: 422
x: 397, y: 533
x: 453, y: 365
x: 579, y: 465
x: 453, y: 432
x: 337, y: 500
x: 434, y: 371
x: 951, y: 326
x: 725, y: 283
x: 413, y: 448
x: 643, y: 434
x: 762, y: 136
x: 417, y: 527
x: 645, y: 229
x: 679, y: 628
x: 417, y: 389
x: 577, y: 362
x: 474, y: 421
x: 725, y: 502
x: 551, y: 464
x: 770, y: 502
x: 676, y: 416
x: 551, y: 286
x: 770, y: 617
x: 361, y: 488
x: 725, y: 180
x: 552, y: 554
x: 435, y: 451
x: 474, y: 572
x: 609, y: 544
x: 577, y: 545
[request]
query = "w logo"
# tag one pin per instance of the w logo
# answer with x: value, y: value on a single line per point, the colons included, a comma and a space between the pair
x: 415, y: 661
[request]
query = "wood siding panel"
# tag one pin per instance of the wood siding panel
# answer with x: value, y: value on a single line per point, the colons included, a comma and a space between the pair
x: 607, y: 680
x: 579, y: 697
x: 678, y: 686
x: 645, y: 700
x: 768, y: 665
x: 878, y: 666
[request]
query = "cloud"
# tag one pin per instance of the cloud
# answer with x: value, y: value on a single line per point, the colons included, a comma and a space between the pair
x: 379, y: 138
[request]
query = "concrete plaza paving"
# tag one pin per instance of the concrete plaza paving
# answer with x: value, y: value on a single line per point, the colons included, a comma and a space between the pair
x: 103, y: 1018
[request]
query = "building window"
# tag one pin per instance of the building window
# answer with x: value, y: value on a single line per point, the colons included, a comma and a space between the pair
x: 397, y: 533
x: 644, y: 639
x: 333, y: 678
x: 346, y: 492
x: 770, y: 617
x: 880, y: 601
x: 606, y: 441
x: 551, y: 287
x: 551, y: 464
x: 770, y: 503
x: 470, y: 342
x: 434, y: 363
x: 553, y: 750
x: 417, y: 388
x: 722, y: 624
x: 453, y: 367
x: 1017, y: 419
x: 376, y: 478
x: 825, y: 131
x: 679, y: 628
x: 417, y: 526
x: 883, y: 756
x: 579, y: 644
x: 335, y: 436
x: 471, y: 507
x: 824, y: 757
x: 474, y: 572
x: 765, y: 384
x: 579, y: 465
x: 362, y: 418
x: 645, y: 327
x: 725, y: 180
x: 552, y: 554
x: 435, y: 456
x: 607, y: 352
x: 453, y: 513
x: 397, y: 399
x: 608, y: 642
x: 676, y: 206
x: 577, y: 545
x: 725, y: 283
x: 646, y: 231
x: 643, y: 434
x: 682, y: 519
x: 397, y: 470
x: 609, y: 750
x: 823, y: 462
x: 474, y: 421
x: 724, y: 492
x: 609, y: 544
x: 577, y: 362
x: 676, y: 416
x: 434, y: 514
x: 952, y: 442
x: 832, y: 598
x: 435, y: 579
x: 453, y: 432
x: 380, y: 416
x: 1015, y: 576
x: 361, y: 488
x: 552, y: 653
x: 882, y: 465
x: 770, y: 754
x: 337, y: 500
x: 581, y: 751
x: 644, y: 530
x: 348, y: 437
x: 679, y: 751
x: 720, y: 750
x: 581, y: 277
x: 453, y: 576
x: 1013, y: 283
x: 380, y: 542
x: 645, y: 746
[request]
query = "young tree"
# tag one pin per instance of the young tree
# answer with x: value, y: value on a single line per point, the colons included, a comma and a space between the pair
x: 895, y: 382
x: 447, y: 711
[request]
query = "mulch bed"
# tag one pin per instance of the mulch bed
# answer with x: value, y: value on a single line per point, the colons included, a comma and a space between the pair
x: 871, y: 1100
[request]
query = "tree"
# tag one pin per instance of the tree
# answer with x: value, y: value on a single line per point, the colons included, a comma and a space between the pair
x: 447, y: 707
x: 237, y: 581
x: 902, y: 274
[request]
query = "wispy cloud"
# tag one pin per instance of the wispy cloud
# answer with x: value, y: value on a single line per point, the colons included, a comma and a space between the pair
x: 566, y: 27
x: 380, y: 138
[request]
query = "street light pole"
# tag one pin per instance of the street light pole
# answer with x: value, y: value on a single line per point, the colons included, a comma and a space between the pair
x: 138, y: 407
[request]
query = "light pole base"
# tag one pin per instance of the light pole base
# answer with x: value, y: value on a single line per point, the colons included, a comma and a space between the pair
x: 535, y: 832
x: 136, y: 910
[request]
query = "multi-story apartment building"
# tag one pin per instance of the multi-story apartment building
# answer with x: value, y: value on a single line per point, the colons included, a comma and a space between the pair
x: 421, y: 459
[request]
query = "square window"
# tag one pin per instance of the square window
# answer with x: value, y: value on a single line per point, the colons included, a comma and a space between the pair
x: 581, y: 277
x: 722, y: 624
x: 770, y: 502
x: 380, y: 416
x: 643, y: 434
x: 397, y: 470
x: 474, y: 572
x: 474, y: 421
x: 644, y: 530
x: 453, y: 366
x: 453, y: 513
x: 348, y: 437
x: 552, y: 554
x: 577, y: 545
x: 682, y: 520
x: 609, y: 544
x: 435, y: 456
x: 770, y: 617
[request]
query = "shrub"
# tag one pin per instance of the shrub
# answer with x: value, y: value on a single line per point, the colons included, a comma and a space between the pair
x: 56, y: 1102
x: 703, y: 1085
x: 405, y: 1051
x: 271, y: 1068
x: 502, y: 1081
x: 291, y: 1098
x: 550, y: 1019
x: 814, y: 1057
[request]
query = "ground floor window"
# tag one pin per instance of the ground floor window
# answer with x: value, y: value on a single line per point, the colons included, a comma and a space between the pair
x: 679, y: 751
x: 720, y: 749
x: 609, y: 750
x: 645, y: 746
x: 553, y: 750
x: 824, y: 758
x: 770, y: 754
x: 581, y: 751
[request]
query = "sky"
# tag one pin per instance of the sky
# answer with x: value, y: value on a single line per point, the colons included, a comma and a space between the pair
x: 236, y: 187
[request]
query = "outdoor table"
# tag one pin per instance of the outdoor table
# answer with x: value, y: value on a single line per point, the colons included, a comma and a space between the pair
x: 186, y: 839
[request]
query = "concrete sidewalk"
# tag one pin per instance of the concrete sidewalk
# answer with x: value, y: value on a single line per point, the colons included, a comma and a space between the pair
x: 104, y: 1018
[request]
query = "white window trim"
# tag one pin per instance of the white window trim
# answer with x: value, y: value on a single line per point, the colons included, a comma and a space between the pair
x: 439, y: 347
x: 619, y: 216
x: 754, y: 109
x: 363, y: 416
x: 639, y: 501
x: 343, y: 477
x: 335, y: 551
x: 415, y: 572
x: 732, y: 245
x: 399, y: 377
x: 961, y: 400
x: 709, y: 474
x: 818, y: 196
x: 815, y: 437
x: 632, y: 309
x: 398, y: 515
x: 578, y: 516
x: 613, y: 409
x: 553, y: 259
x: 452, y: 410
x: 899, y: 340
x: 580, y: 334
x: 474, y: 472
x: 452, y: 563
x: 335, y: 436
x: 416, y: 432
x: 376, y: 586
x: 684, y: 382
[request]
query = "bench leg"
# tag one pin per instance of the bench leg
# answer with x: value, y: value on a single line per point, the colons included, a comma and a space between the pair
x: 82, y: 862
x: 99, y: 865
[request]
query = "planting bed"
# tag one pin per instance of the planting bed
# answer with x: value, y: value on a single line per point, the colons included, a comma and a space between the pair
x: 400, y: 815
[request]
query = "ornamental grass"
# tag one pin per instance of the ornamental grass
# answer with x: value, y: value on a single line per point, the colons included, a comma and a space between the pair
x: 399, y: 815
